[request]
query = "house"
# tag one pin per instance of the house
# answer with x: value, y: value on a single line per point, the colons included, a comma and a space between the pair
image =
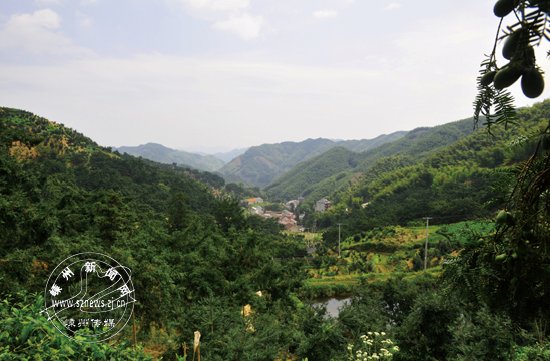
x: 251, y: 201
x: 292, y: 205
x: 322, y: 205
x: 259, y: 211
x: 285, y: 218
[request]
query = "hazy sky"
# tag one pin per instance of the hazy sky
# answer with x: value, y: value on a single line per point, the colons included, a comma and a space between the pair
x: 219, y: 74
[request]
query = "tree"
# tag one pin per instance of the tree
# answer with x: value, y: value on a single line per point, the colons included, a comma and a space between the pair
x: 508, y: 272
x: 530, y: 27
x: 178, y: 212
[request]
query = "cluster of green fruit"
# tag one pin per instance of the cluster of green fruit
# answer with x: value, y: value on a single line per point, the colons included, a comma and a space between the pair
x: 522, y: 63
x: 505, y: 218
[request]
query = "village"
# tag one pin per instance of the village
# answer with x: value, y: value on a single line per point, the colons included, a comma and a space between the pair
x: 289, y: 217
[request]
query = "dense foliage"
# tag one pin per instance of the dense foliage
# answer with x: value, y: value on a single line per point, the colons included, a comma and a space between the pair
x: 28, y: 335
x: 198, y: 261
x: 469, y: 179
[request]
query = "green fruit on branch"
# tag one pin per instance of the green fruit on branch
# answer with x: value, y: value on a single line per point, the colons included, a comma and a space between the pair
x: 513, y: 43
x: 504, y: 7
x: 487, y: 78
x: 532, y: 83
x: 505, y: 218
x: 507, y: 76
x: 501, y: 257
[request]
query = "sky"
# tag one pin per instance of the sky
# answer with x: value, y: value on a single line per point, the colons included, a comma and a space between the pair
x: 214, y: 75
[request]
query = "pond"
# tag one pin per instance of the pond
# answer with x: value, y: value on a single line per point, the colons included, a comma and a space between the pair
x: 332, y: 305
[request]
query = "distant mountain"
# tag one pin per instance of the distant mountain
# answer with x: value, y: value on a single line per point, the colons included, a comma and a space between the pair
x: 259, y: 165
x: 160, y: 153
x: 230, y: 155
x: 262, y: 164
x: 301, y: 179
x: 335, y: 169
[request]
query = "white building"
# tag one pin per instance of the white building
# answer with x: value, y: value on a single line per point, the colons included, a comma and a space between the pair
x: 322, y: 205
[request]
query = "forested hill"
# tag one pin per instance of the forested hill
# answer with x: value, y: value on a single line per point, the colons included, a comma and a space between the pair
x: 333, y: 171
x: 467, y: 179
x: 262, y: 164
x: 62, y: 194
x: 160, y: 153
x: 54, y: 179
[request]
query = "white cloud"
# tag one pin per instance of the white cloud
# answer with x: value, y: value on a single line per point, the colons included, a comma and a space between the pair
x: 88, y: 2
x: 218, y: 5
x: 37, y: 33
x: 246, y: 26
x: 392, y: 6
x: 44, y: 18
x: 226, y: 15
x: 325, y: 14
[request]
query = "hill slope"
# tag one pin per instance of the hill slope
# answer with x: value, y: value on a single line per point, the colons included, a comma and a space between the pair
x: 468, y: 179
x: 260, y: 165
x: 363, y: 145
x: 186, y: 246
x: 327, y: 173
x: 160, y: 153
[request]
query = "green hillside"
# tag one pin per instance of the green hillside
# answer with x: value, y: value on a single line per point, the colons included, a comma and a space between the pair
x: 362, y: 145
x: 327, y: 174
x: 469, y: 179
x: 308, y: 174
x: 199, y: 263
x: 259, y: 166
x: 191, y: 250
x: 162, y: 154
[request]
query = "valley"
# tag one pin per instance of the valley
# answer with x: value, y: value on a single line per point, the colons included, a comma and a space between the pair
x: 244, y: 264
x: 244, y: 180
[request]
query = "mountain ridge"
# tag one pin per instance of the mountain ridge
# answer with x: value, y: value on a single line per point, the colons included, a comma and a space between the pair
x: 326, y: 173
x: 162, y: 154
x: 260, y: 165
